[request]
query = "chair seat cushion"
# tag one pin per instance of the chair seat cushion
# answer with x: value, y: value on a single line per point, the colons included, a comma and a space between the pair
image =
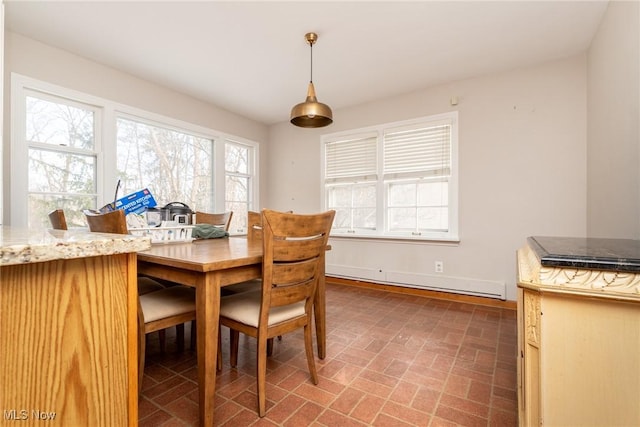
x: 249, y: 285
x: 167, y: 302
x: 245, y: 308
x: 146, y: 285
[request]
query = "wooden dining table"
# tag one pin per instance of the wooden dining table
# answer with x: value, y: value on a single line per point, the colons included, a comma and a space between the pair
x: 208, y: 265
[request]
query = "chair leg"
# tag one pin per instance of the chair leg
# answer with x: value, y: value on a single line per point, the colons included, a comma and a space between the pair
x: 163, y: 340
x: 270, y: 347
x: 180, y: 336
x: 308, y: 348
x: 235, y: 341
x: 141, y: 355
x: 193, y: 335
x: 219, y: 358
x: 142, y: 338
x: 262, y: 376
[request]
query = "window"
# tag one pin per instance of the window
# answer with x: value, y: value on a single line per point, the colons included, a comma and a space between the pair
x: 176, y: 166
x: 396, y: 180
x: 69, y: 150
x: 62, y: 146
x: 238, y: 166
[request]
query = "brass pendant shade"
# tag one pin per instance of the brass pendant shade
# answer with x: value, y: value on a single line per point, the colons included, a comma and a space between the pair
x: 311, y: 113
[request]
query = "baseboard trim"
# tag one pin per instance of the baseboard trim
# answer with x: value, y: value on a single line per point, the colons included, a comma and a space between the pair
x: 490, y: 302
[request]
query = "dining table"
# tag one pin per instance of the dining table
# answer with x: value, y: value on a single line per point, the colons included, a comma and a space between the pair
x: 208, y: 265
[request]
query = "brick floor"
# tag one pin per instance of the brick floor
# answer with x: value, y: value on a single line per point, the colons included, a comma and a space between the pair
x: 392, y: 360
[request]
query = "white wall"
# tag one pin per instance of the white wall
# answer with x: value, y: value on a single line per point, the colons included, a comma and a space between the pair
x: 522, y: 156
x: 613, y: 199
x: 40, y: 61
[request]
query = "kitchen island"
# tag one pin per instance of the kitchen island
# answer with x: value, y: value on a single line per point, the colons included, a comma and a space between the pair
x: 579, y: 332
x: 68, y: 328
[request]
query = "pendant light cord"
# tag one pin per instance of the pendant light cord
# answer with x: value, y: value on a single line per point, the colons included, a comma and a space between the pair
x: 311, y: 45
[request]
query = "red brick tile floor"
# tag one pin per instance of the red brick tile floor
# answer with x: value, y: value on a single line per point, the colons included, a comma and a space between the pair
x: 392, y: 360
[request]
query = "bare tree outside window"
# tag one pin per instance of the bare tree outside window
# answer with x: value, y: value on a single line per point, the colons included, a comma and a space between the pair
x: 174, y: 165
x: 71, y: 149
x: 237, y: 183
x: 60, y: 135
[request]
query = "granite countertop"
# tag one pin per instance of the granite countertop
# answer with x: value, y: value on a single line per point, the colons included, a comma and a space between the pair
x: 21, y: 245
x: 622, y: 255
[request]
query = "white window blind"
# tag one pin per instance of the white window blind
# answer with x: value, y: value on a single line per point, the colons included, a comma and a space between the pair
x: 394, y: 180
x: 351, y: 159
x: 417, y: 153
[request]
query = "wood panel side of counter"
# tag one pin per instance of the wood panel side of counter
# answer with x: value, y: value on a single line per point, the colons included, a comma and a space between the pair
x: 68, y: 354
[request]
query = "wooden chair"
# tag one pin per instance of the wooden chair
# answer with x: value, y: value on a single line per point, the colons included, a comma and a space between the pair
x: 254, y: 220
x: 58, y: 220
x: 159, y: 310
x: 222, y: 220
x: 254, y: 226
x: 115, y: 222
x: 293, y: 246
x: 254, y: 233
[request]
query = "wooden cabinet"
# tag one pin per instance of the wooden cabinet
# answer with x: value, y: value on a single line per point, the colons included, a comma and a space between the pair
x: 579, y: 345
x: 68, y: 339
x: 529, y: 363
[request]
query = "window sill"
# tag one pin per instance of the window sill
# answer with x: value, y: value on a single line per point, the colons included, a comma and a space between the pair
x: 453, y: 241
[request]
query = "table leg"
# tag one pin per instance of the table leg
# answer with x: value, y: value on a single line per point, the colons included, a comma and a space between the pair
x: 319, y: 311
x: 207, y: 313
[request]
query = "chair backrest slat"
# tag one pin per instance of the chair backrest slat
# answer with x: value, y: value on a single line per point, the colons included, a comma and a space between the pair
x: 222, y: 220
x: 114, y: 222
x: 293, y: 246
x: 295, y: 250
x: 58, y: 220
x: 254, y: 226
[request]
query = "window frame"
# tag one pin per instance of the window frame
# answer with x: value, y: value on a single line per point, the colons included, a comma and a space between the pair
x: 381, y: 182
x: 175, y: 126
x: 106, y: 133
x: 251, y: 176
x: 94, y: 152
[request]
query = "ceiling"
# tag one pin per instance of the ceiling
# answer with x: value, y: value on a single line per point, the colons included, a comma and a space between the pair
x: 251, y: 58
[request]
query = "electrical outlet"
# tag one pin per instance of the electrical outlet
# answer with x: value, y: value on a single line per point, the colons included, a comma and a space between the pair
x: 439, y: 267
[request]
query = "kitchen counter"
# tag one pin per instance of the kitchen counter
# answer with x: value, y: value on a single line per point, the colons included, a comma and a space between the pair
x: 68, y: 327
x: 21, y: 245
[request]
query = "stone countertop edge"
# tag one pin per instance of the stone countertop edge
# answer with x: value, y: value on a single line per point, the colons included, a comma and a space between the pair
x: 24, y: 246
x: 621, y: 255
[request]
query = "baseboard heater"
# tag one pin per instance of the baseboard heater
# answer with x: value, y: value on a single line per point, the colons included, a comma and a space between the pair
x: 433, y: 282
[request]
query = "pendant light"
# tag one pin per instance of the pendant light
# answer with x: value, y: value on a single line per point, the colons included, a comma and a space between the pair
x: 311, y: 113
